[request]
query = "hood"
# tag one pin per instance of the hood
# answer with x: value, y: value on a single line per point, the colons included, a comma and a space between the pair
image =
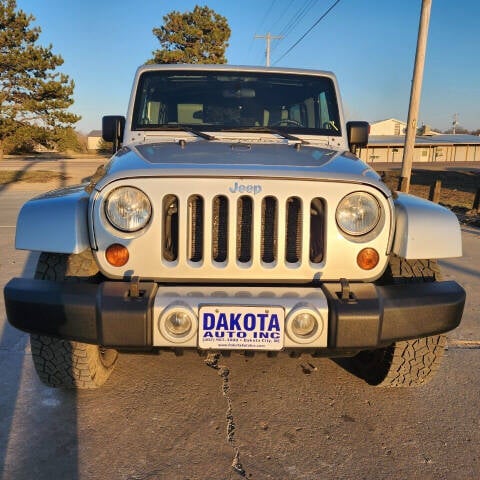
x: 234, y: 159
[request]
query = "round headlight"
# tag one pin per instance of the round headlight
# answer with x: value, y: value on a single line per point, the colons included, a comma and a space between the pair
x: 358, y: 213
x: 128, y: 209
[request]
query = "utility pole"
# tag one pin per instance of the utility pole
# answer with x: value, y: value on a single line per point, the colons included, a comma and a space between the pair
x: 404, y: 183
x: 455, y: 123
x: 268, y: 37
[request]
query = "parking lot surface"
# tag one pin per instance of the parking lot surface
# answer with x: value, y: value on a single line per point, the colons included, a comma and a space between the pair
x: 165, y: 417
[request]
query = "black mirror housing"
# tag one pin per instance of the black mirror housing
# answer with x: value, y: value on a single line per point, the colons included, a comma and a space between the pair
x: 113, y: 127
x: 357, y: 133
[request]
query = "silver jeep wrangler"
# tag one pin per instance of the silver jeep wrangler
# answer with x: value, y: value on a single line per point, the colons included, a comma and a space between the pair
x: 235, y: 216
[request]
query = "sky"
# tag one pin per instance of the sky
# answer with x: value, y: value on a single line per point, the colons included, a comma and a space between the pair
x: 369, y: 44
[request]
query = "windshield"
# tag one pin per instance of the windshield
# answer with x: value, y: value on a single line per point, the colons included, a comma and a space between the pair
x: 232, y: 101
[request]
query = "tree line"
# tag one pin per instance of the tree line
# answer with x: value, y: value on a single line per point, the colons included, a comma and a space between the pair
x: 35, y: 97
x: 463, y: 131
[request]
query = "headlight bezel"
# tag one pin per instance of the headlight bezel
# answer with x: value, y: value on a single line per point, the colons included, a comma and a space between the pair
x: 123, y: 227
x: 373, y: 225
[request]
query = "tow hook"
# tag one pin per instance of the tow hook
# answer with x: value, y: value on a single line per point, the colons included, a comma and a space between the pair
x: 346, y: 295
x: 134, y: 290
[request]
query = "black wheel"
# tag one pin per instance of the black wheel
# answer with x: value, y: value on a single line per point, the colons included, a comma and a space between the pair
x: 63, y: 363
x: 407, y: 363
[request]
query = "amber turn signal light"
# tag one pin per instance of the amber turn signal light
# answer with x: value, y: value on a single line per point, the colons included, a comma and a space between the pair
x: 117, y: 255
x: 368, y: 258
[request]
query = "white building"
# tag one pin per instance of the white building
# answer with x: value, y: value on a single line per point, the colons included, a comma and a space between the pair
x: 390, y: 126
x: 428, y: 149
x: 93, y: 139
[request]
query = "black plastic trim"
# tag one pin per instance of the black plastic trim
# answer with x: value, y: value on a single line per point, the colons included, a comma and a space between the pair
x: 375, y: 316
x: 102, y: 314
x: 420, y: 310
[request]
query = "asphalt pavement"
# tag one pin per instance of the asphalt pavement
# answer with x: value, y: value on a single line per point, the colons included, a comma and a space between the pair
x: 166, y: 417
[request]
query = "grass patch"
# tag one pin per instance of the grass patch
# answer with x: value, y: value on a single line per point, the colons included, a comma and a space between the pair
x: 32, y: 176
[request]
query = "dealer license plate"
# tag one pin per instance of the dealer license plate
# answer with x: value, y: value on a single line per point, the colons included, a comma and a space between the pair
x: 242, y: 327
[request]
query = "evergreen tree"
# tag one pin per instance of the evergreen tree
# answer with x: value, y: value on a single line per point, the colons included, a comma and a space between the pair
x: 33, y: 97
x: 200, y: 36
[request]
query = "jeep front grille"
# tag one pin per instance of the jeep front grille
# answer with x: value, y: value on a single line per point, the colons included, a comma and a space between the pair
x: 239, y: 230
x: 254, y: 225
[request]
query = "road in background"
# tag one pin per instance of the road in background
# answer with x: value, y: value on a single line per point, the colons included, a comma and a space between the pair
x: 164, y: 417
x: 76, y: 170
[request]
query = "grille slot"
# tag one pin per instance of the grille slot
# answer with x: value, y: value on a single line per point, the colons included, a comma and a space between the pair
x: 269, y: 229
x: 293, y: 250
x: 244, y: 229
x: 220, y: 229
x: 317, y: 230
x: 170, y: 228
x: 196, y: 223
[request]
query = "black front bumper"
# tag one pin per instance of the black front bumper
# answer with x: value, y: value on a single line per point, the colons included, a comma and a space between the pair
x: 106, y: 314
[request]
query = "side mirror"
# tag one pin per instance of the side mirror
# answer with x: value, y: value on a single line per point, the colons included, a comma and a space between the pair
x: 357, y: 133
x: 113, y: 127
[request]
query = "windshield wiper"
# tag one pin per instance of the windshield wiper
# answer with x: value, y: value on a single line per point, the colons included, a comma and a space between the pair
x: 267, y: 130
x: 184, y: 128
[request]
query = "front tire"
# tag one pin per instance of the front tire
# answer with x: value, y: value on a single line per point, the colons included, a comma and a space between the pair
x: 64, y: 363
x: 68, y: 364
x: 408, y: 363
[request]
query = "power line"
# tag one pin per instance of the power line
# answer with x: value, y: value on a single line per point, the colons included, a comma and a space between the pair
x: 302, y: 11
x: 296, y: 19
x: 269, y: 9
x: 283, y: 13
x: 308, y: 31
x: 267, y: 13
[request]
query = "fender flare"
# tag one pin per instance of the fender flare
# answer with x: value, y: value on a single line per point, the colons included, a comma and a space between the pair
x: 424, y: 229
x: 56, y: 222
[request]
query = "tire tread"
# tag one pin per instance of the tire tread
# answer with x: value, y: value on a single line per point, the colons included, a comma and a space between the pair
x: 406, y: 363
x: 64, y: 363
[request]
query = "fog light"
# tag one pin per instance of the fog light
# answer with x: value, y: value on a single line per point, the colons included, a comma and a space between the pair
x: 304, y: 324
x: 368, y: 258
x: 178, y: 323
x: 117, y: 255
